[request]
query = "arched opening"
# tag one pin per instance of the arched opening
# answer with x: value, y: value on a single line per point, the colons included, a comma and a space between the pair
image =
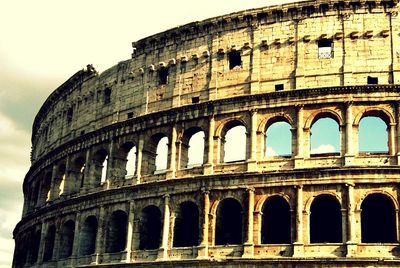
x: 186, y: 229
x: 77, y: 174
x: 192, y: 147
x: 49, y: 243
x: 378, y: 219
x: 162, y: 154
x: 325, y: 220
x: 324, y: 137
x: 100, y: 162
x: 60, y: 179
x: 67, y: 239
x: 234, y: 141
x: 34, y: 194
x: 373, y: 136
x: 278, y: 140
x: 229, y: 222
x: 276, y: 221
x: 87, y: 238
x: 34, y: 246
x: 45, y: 188
x: 131, y: 162
x: 155, y: 154
x: 150, y: 228
x: 116, y: 232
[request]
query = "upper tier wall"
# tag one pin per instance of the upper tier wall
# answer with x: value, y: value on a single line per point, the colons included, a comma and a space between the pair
x: 279, y: 48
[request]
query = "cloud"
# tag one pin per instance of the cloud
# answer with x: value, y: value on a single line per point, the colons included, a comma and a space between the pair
x: 323, y: 148
x: 270, y: 152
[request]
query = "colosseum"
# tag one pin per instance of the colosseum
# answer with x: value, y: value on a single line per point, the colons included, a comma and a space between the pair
x: 134, y: 167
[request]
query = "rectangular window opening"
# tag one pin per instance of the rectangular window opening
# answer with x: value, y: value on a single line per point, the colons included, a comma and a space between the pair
x: 279, y: 87
x: 372, y: 80
x: 325, y: 49
x: 130, y: 115
x: 163, y: 76
x: 235, y: 60
x: 196, y: 99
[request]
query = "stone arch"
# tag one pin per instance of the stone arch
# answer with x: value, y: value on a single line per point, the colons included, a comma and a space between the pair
x: 124, y: 160
x: 100, y: 165
x: 34, y: 245
x: 229, y: 222
x: 323, y: 113
x: 87, y: 236
x: 276, y: 221
x: 150, y: 227
x: 186, y: 229
x: 225, y: 129
x: 273, y: 140
x: 66, y: 239
x: 325, y: 219
x: 186, y: 154
x: 76, y: 175
x: 116, y: 232
x: 150, y: 153
x: 45, y: 187
x: 378, y: 219
x: 381, y: 136
x: 383, y: 192
x: 379, y: 112
x: 327, y: 138
x: 60, y: 179
x: 49, y: 243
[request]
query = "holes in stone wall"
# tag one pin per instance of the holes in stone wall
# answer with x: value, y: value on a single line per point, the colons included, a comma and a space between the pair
x: 324, y: 137
x: 107, y: 95
x: 33, y: 251
x: 278, y: 140
x: 229, y: 223
x: 163, y: 76
x: 378, y: 219
x: 279, y: 87
x: 116, y: 232
x: 49, y: 243
x: 192, y: 147
x: 233, y: 142
x: 186, y: 229
x: 373, y: 136
x: 87, y: 237
x: 325, y: 49
x: 131, y: 162
x: 325, y: 220
x: 162, y: 154
x: 235, y: 59
x: 371, y: 80
x: 276, y: 221
x: 150, y: 228
x: 67, y: 239
x: 100, y: 163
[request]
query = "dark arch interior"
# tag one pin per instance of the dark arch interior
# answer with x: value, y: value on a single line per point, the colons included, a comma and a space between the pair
x: 49, y: 243
x: 186, y: 229
x: 116, y: 232
x: 276, y: 220
x: 150, y: 228
x: 88, y: 236
x: 325, y: 220
x: 34, y: 246
x: 229, y: 225
x: 378, y: 219
x: 67, y: 239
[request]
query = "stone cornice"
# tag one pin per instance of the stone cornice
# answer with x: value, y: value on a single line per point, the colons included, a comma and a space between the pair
x: 266, y: 15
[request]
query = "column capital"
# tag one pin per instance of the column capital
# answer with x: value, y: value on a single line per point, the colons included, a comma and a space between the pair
x: 250, y: 189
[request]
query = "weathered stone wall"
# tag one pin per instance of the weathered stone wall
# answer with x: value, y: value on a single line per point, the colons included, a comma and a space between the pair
x: 282, y: 75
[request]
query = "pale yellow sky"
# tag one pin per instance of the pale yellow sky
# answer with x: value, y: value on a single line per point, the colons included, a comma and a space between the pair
x: 44, y: 42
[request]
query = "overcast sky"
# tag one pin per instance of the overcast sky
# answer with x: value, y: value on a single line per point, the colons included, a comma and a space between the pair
x: 42, y: 43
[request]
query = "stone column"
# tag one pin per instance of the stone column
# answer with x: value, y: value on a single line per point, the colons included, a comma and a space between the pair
x: 76, y: 245
x: 209, y: 166
x: 392, y: 139
x: 299, y: 158
x: 202, y: 251
x: 298, y: 245
x: 171, y: 172
x: 252, y: 161
x: 349, y: 150
x: 99, y: 249
x: 53, y: 189
x: 129, y: 233
x: 88, y: 179
x: 139, y: 157
x: 248, y: 250
x: 397, y: 114
x: 42, y: 242
x: 163, y: 251
x: 351, y: 221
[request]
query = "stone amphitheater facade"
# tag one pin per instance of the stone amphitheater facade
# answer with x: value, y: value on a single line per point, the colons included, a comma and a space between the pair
x: 294, y: 63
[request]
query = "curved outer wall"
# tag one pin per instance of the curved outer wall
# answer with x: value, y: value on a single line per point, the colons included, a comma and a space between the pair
x: 294, y: 63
